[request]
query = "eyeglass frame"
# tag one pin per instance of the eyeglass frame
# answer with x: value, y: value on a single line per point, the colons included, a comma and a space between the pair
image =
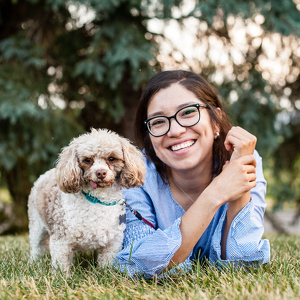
x: 197, y: 105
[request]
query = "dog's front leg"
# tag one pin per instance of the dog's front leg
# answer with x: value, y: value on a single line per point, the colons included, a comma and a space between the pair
x: 107, y: 254
x: 61, y: 254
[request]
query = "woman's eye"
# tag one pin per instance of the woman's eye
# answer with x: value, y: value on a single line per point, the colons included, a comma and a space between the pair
x: 88, y: 160
x: 111, y: 159
x: 158, y: 122
x: 188, y: 112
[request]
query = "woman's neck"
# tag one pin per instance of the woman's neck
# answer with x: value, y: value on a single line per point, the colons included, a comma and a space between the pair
x: 186, y: 187
x: 192, y: 180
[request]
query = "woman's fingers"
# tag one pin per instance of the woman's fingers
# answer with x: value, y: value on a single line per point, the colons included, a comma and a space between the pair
x: 251, y: 177
x: 250, y: 168
x: 247, y: 160
x: 240, y: 141
x: 231, y: 142
x: 241, y: 133
x: 237, y: 178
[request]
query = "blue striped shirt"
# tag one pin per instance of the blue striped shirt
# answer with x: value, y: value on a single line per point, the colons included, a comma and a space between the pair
x: 149, y: 251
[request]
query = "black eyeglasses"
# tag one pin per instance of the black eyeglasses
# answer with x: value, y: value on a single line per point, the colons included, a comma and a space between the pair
x: 185, y: 117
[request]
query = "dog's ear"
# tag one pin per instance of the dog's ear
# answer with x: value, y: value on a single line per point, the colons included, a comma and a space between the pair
x: 133, y: 172
x: 68, y: 171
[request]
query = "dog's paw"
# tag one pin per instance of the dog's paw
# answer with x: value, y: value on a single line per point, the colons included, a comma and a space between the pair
x: 105, y: 259
x: 56, y: 267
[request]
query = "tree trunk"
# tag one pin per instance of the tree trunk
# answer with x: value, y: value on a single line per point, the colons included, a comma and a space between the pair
x: 297, y: 214
x: 19, y: 187
x: 130, y: 99
x: 6, y: 217
x: 275, y: 223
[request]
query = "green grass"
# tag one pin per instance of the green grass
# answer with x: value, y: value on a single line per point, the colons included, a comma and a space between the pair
x: 20, y: 279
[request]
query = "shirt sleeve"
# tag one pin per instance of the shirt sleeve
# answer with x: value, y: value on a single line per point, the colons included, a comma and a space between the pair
x: 145, y: 250
x: 244, y: 242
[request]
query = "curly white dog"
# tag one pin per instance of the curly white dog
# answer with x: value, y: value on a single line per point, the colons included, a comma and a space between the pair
x: 79, y: 203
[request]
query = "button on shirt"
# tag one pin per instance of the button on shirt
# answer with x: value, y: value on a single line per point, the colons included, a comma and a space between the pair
x: 148, y: 251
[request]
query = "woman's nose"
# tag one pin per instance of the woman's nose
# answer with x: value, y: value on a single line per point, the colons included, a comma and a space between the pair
x: 175, y: 129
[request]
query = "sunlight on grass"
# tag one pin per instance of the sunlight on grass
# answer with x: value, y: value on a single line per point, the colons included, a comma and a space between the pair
x: 20, y: 279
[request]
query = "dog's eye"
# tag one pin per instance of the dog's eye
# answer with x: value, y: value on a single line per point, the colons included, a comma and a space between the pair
x: 88, y: 160
x: 111, y: 159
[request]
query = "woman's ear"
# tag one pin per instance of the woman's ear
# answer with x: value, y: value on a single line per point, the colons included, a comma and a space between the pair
x: 133, y: 172
x: 68, y: 172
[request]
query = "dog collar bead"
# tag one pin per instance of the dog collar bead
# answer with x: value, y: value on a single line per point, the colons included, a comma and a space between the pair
x: 96, y: 200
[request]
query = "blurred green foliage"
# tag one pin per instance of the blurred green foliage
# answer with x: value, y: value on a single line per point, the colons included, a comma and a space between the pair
x: 66, y: 66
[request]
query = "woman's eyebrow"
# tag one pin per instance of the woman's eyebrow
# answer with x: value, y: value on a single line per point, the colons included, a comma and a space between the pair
x: 161, y: 113
x: 157, y: 113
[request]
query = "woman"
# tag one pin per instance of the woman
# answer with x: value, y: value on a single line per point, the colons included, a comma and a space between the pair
x: 204, y: 189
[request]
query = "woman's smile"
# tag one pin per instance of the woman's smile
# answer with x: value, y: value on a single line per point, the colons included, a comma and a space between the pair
x: 183, y: 145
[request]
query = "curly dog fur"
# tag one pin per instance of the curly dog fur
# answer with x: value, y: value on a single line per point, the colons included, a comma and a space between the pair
x: 99, y: 163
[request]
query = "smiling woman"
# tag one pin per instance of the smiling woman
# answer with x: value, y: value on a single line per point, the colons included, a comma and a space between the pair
x: 204, y: 190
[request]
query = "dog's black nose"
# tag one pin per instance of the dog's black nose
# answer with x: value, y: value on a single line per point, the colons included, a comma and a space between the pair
x: 101, y: 174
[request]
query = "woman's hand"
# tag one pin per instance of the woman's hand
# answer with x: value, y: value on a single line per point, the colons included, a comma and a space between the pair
x: 240, y: 141
x: 237, y: 178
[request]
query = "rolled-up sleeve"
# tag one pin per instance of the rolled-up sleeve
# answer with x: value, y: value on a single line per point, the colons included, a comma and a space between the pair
x: 244, y: 241
x: 145, y: 250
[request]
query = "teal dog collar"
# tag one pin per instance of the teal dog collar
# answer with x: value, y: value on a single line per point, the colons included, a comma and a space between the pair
x: 96, y: 200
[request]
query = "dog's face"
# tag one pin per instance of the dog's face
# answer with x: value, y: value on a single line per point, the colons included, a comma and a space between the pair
x: 101, y: 164
x: 97, y: 160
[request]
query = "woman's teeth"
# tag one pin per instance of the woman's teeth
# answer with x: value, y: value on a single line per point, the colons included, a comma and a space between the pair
x: 182, y: 146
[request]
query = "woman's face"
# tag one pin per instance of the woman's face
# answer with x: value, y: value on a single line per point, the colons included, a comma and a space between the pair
x: 182, y: 148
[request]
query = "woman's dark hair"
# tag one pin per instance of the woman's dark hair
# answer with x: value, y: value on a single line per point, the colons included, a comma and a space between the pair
x: 204, y: 92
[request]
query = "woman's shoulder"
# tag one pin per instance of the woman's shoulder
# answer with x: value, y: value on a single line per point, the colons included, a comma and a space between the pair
x: 149, y: 164
x: 152, y: 178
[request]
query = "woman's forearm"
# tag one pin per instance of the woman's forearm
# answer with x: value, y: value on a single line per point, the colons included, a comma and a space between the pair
x: 193, y: 224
